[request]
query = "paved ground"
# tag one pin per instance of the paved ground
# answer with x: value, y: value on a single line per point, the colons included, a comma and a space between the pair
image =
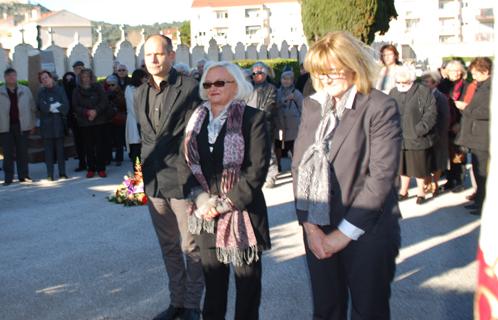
x: 67, y: 253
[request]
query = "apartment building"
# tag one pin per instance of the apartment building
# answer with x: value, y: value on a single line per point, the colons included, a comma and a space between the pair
x: 429, y: 30
x: 248, y: 21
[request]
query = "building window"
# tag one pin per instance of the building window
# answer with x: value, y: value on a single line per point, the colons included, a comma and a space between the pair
x: 447, y: 39
x: 221, y: 14
x: 443, y: 4
x: 447, y: 22
x: 221, y: 32
x: 411, y: 23
x: 252, y: 30
x: 252, y: 13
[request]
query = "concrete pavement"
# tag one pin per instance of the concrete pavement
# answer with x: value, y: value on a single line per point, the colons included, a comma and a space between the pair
x: 67, y: 253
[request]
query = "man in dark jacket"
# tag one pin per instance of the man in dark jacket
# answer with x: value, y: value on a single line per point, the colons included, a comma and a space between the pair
x: 162, y: 107
x: 265, y: 98
x: 475, y: 127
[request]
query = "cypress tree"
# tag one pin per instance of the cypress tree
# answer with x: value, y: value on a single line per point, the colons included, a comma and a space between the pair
x: 363, y: 18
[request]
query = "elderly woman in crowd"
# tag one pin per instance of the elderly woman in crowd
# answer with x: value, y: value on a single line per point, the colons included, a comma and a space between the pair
x: 389, y: 57
x: 417, y: 106
x: 440, y: 156
x: 290, y: 103
x: 54, y: 107
x: 227, y: 151
x: 454, y: 86
x: 345, y: 163
x: 133, y: 139
x: 475, y: 126
x: 90, y: 105
x: 117, y: 109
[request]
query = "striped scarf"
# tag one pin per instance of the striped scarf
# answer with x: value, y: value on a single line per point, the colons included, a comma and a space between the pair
x: 235, y: 239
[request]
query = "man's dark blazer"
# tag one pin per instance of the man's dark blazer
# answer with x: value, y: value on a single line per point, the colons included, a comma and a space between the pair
x: 160, y: 149
x: 247, y: 193
x: 364, y: 157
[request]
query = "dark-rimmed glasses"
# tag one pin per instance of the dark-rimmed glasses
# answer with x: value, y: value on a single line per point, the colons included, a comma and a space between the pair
x: 217, y: 84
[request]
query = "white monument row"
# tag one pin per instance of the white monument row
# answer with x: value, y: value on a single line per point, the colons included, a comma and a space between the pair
x: 101, y: 56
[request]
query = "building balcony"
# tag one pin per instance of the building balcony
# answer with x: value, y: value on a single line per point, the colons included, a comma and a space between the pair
x: 486, y: 16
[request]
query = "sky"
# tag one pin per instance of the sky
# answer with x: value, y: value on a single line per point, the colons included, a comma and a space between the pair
x: 124, y: 11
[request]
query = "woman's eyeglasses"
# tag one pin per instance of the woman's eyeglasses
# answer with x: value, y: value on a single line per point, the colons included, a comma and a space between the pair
x: 217, y: 84
x: 257, y: 73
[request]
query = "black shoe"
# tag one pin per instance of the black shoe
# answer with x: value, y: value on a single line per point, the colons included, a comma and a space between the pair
x: 402, y: 197
x: 420, y: 200
x: 471, y: 207
x: 172, y: 313
x: 458, y: 188
x: 50, y: 178
x: 191, y: 314
x: 79, y: 169
x: 63, y: 176
x: 475, y: 212
x: 26, y: 180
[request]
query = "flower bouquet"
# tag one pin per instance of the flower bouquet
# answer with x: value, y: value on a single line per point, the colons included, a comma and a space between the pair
x: 131, y: 191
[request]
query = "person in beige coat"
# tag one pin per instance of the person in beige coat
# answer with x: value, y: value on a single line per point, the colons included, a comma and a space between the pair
x: 17, y: 120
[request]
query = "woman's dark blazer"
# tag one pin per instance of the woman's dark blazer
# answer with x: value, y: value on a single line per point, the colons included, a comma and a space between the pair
x: 364, y: 156
x: 247, y: 194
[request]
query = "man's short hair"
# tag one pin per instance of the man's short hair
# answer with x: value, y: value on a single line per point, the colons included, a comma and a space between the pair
x: 78, y: 64
x: 168, y: 44
x: 9, y: 71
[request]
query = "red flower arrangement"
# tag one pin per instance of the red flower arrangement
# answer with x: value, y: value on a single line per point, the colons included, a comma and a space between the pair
x: 131, y: 191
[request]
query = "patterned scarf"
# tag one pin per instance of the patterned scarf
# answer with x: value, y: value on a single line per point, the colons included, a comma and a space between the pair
x: 235, y: 239
x: 314, y: 173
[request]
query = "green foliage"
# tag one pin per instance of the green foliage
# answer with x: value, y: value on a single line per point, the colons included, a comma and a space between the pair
x: 363, y: 18
x: 277, y: 65
x: 17, y: 10
x: 185, y: 33
x: 23, y: 82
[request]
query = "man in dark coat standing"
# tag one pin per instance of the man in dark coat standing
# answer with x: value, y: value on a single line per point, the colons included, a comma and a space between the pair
x: 265, y: 98
x: 163, y: 106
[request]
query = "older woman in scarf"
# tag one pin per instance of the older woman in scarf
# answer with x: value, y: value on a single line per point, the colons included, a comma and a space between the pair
x: 227, y: 152
x: 345, y: 163
x: 290, y: 103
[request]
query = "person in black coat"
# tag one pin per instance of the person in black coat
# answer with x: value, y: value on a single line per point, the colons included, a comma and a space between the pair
x: 69, y: 84
x: 418, y: 111
x: 163, y: 106
x: 227, y: 152
x: 475, y: 127
x: 54, y: 107
x: 264, y: 97
x: 454, y: 86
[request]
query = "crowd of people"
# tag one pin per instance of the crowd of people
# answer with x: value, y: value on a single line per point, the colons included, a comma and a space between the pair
x: 209, y: 139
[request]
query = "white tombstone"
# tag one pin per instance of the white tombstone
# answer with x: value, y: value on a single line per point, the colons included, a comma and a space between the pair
x: 274, y: 53
x: 294, y: 53
x: 198, y: 53
x: 213, y: 51
x: 226, y: 53
x: 284, y: 50
x: 78, y: 52
x: 59, y: 59
x: 302, y: 53
x: 20, y: 60
x: 240, y: 51
x: 263, y: 52
x: 102, y: 59
x: 4, y: 62
x: 183, y: 55
x: 139, y: 50
x: 252, y: 52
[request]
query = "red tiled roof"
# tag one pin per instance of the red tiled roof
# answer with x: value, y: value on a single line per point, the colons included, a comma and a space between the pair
x: 233, y: 3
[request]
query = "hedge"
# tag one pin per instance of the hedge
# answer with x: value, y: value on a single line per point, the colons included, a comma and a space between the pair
x: 23, y: 82
x: 277, y: 65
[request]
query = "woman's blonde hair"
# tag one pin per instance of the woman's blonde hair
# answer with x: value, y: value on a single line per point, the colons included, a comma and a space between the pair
x: 347, y: 52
